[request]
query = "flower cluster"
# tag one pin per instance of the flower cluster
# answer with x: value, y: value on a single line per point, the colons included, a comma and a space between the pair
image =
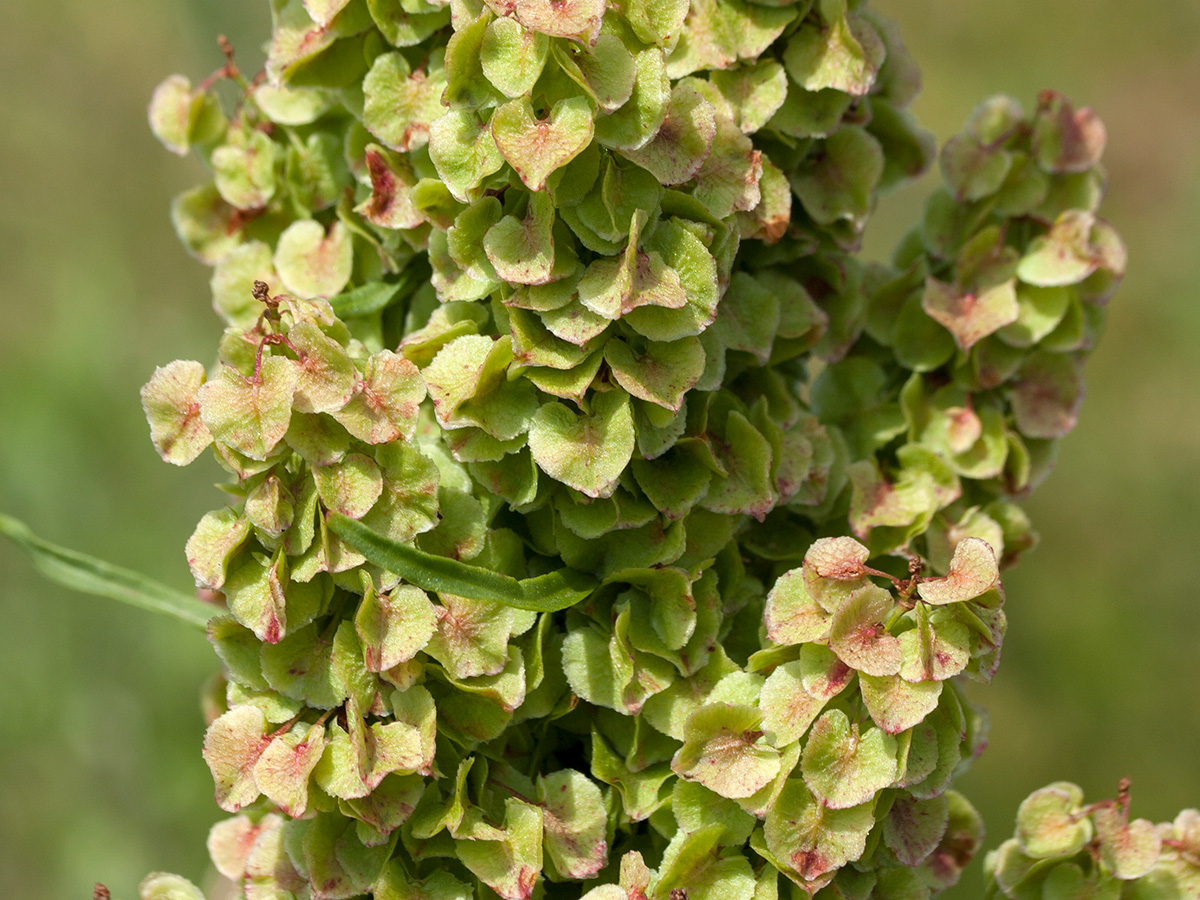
x: 1064, y: 848
x: 549, y: 382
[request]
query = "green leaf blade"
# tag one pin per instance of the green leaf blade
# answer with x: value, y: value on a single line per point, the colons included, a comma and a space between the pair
x: 545, y: 593
x: 89, y: 575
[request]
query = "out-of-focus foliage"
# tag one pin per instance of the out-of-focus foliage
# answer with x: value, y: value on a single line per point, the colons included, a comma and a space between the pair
x: 107, y: 283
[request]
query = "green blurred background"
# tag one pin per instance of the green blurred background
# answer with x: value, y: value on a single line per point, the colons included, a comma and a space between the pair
x: 100, y: 729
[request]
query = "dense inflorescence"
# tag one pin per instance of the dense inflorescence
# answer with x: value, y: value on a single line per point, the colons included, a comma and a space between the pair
x: 552, y: 390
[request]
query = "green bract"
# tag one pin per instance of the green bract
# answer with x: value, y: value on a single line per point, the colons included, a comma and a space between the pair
x: 552, y: 390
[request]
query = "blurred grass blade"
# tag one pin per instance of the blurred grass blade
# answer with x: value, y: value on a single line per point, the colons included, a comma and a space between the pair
x: 94, y: 576
x: 545, y: 593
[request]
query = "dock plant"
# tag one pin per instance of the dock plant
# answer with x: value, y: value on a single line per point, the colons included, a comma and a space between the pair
x: 599, y: 524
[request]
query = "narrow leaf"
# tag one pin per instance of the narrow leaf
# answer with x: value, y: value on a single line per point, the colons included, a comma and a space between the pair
x: 546, y: 593
x: 93, y: 576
